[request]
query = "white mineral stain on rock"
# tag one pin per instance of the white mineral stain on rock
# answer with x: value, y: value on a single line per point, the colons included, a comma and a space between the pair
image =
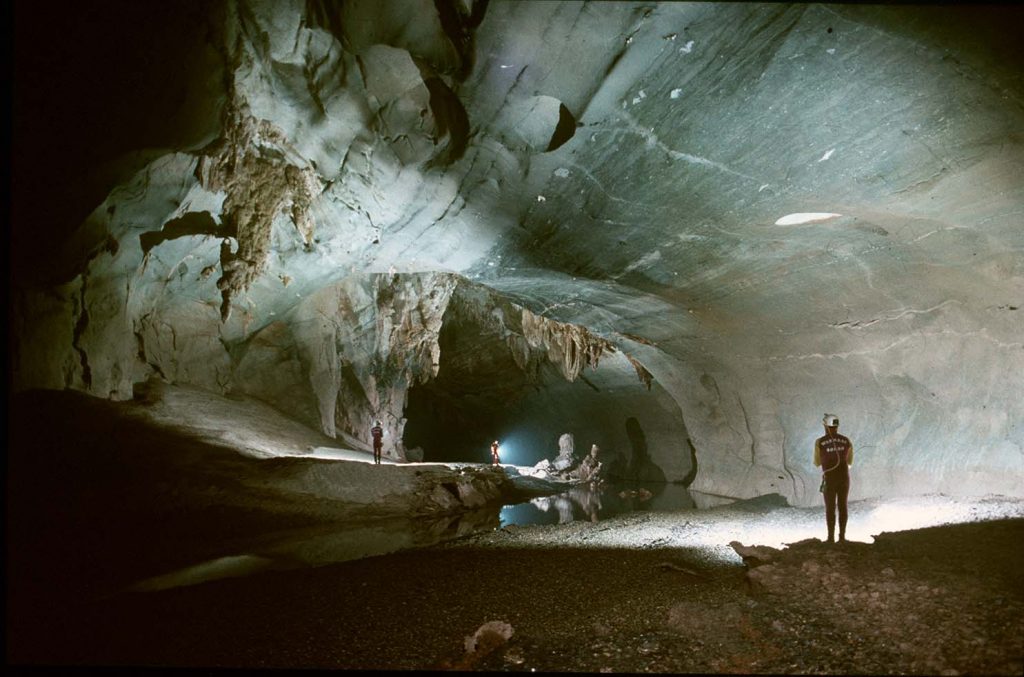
x: 763, y: 187
x: 675, y: 93
x: 831, y: 50
x: 805, y: 217
x: 541, y: 198
x: 827, y: 154
x: 644, y: 262
x: 562, y: 172
x: 687, y: 48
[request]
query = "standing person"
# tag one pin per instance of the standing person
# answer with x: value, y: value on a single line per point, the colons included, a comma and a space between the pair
x: 494, y: 453
x: 833, y: 453
x: 377, y: 432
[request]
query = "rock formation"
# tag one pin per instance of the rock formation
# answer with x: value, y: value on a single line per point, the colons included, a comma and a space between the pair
x: 567, y: 467
x: 718, y: 220
x: 589, y: 469
x: 566, y: 453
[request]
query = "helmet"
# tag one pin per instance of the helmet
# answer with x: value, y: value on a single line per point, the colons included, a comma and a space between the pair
x: 831, y: 421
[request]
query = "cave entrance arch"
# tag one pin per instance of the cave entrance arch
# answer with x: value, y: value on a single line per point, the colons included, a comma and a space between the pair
x: 482, y: 393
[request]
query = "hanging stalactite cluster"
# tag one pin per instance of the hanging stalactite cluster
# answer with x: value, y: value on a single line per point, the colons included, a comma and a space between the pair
x: 250, y: 165
x: 569, y: 346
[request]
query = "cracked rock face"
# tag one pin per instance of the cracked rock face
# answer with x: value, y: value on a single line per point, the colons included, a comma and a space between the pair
x: 727, y: 218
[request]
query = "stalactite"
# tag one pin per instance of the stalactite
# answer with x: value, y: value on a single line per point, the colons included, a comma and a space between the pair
x: 250, y: 165
x: 571, y: 347
x: 641, y: 372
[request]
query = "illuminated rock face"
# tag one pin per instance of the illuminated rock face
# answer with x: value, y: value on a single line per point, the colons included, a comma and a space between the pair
x: 767, y: 211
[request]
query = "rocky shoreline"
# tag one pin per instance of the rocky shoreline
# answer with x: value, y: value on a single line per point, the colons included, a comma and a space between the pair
x: 942, y: 600
x: 106, y: 500
x: 622, y: 595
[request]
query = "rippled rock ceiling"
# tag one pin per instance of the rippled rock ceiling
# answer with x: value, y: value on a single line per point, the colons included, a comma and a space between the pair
x: 519, y: 219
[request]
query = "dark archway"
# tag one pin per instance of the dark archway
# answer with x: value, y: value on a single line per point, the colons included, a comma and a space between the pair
x: 493, y: 384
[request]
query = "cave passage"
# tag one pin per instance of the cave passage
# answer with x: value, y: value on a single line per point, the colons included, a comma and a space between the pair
x: 471, y: 403
x: 482, y: 394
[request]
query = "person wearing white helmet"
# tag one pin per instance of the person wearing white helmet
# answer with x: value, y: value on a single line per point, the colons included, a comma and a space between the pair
x: 833, y: 453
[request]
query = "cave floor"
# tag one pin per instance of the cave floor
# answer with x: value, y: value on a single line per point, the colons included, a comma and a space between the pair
x: 621, y: 595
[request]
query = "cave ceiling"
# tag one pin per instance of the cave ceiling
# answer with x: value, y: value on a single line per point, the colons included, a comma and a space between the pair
x: 748, y: 198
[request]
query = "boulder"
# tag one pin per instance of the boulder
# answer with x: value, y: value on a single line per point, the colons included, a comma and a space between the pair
x: 755, y: 555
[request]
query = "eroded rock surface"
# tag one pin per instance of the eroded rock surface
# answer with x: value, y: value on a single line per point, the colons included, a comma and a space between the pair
x: 767, y: 211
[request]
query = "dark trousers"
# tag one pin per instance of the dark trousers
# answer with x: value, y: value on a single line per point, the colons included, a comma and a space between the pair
x: 837, y: 488
x: 376, y: 453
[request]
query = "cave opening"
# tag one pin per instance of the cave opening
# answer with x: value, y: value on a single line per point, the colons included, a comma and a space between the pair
x: 564, y: 130
x: 486, y: 389
x: 455, y: 416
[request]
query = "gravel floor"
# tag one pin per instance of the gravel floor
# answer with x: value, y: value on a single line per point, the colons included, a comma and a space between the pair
x: 643, y: 592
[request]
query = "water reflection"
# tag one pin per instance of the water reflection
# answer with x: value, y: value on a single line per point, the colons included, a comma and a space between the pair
x: 326, y: 544
x: 587, y: 503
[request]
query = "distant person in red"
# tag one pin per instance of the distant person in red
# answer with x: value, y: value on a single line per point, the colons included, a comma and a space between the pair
x: 494, y: 453
x: 833, y: 453
x: 377, y: 432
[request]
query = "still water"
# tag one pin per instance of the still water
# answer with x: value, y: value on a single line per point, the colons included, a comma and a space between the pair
x: 328, y: 544
x: 583, y: 503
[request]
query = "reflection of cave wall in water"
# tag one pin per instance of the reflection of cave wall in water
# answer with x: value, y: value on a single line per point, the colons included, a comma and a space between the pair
x: 485, y: 391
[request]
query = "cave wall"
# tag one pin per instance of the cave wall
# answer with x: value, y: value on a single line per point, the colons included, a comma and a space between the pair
x: 353, y: 350
x: 284, y: 200
x: 915, y: 428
